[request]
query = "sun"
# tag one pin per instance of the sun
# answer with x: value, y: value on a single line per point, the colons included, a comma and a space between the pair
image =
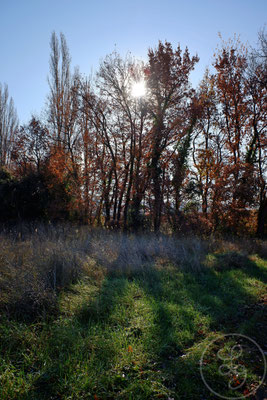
x: 139, y: 89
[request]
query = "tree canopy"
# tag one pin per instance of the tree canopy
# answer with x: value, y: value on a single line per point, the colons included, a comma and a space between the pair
x: 171, y: 157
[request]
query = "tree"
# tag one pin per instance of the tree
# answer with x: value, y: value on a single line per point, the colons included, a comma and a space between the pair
x: 63, y: 114
x: 118, y: 125
x: 59, y: 83
x: 8, y: 125
x: 173, y: 155
x: 169, y: 106
x: 257, y: 149
x: 204, y: 142
x: 233, y: 99
x: 31, y: 147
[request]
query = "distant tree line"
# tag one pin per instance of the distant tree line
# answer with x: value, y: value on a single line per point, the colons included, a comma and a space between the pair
x: 177, y: 157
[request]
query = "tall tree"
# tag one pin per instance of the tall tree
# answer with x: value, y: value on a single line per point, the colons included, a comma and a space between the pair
x: 231, y: 66
x: 8, y: 125
x: 59, y: 83
x: 169, y: 105
x: 121, y: 127
x: 63, y: 113
x: 257, y: 145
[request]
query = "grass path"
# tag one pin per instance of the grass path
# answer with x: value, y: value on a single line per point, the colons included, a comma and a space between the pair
x: 134, y: 335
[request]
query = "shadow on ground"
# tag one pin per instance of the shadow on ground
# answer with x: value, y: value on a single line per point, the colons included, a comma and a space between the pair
x: 180, y: 310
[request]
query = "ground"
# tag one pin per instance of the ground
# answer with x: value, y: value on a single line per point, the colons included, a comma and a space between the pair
x: 139, y: 333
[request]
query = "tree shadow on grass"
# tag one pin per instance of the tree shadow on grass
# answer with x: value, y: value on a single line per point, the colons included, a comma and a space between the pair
x: 218, y: 293
x: 214, y: 293
x: 240, y: 289
x: 82, y: 340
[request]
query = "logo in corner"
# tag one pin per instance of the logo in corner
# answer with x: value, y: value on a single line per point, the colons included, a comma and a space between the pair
x: 239, y: 364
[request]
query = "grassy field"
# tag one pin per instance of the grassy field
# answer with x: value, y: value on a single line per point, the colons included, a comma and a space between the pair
x: 102, y: 316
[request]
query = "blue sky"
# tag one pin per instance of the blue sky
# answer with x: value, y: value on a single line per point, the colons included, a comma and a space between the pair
x: 94, y: 27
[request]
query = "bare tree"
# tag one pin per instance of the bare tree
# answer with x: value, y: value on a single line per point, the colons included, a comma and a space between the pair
x: 59, y: 115
x: 8, y: 125
x: 63, y: 101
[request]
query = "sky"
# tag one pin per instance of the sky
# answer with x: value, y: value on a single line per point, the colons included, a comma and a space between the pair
x: 94, y: 28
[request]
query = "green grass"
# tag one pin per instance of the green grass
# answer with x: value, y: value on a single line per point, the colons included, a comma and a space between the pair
x: 135, y: 334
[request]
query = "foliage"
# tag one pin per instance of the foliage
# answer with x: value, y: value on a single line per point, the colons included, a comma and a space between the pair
x: 174, y: 158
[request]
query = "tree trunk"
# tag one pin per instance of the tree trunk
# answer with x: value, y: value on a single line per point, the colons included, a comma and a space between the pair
x: 156, y: 172
x: 262, y: 219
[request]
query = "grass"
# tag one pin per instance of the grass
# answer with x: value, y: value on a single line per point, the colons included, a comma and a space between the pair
x: 134, y: 322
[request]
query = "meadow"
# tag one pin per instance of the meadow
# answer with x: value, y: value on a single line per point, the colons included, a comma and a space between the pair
x: 94, y: 314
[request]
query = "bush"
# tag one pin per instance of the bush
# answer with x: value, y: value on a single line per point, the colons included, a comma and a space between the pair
x: 26, y: 199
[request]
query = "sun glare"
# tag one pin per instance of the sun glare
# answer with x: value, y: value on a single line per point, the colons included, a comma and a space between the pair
x: 139, y: 89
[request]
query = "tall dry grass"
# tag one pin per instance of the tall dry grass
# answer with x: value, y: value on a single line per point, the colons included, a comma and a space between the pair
x: 37, y: 262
